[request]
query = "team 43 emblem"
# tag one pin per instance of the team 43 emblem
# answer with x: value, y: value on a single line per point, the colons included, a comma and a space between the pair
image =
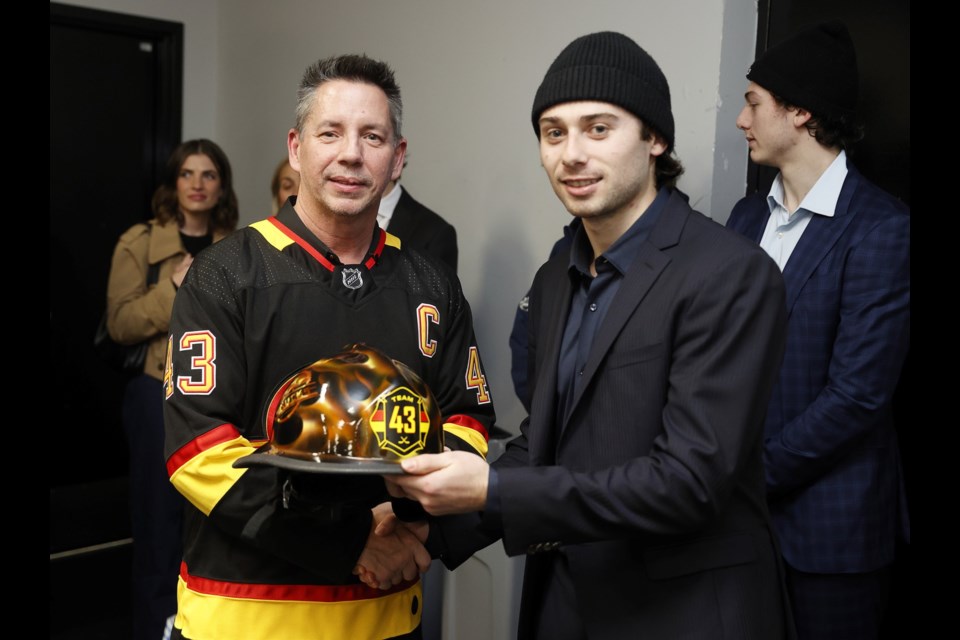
x: 400, y: 422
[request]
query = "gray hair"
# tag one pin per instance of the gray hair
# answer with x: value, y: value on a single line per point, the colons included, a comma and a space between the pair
x: 356, y: 68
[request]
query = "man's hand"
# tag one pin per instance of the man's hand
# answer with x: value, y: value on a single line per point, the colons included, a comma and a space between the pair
x: 390, y: 524
x: 394, y: 551
x: 444, y: 483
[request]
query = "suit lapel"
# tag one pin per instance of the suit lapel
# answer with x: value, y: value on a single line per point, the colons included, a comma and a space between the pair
x: 543, y: 407
x: 646, y: 267
x: 754, y: 229
x: 401, y: 221
x: 818, y: 239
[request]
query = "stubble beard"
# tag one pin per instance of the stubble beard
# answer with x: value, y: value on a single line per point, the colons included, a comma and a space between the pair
x: 599, y: 205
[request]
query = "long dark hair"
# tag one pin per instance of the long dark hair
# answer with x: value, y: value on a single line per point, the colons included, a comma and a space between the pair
x: 165, y: 205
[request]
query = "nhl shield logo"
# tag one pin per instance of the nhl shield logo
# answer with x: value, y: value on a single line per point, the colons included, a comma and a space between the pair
x: 352, y: 278
x: 400, y: 423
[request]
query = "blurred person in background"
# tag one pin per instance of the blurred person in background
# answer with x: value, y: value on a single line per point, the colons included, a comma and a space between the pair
x: 285, y: 183
x: 193, y: 207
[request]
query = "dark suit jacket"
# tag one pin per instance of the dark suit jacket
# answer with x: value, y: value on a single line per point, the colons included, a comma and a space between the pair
x: 831, y: 456
x: 424, y: 230
x: 653, y: 488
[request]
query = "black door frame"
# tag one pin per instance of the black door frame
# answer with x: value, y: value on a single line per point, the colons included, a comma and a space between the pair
x: 89, y: 524
x: 167, y: 39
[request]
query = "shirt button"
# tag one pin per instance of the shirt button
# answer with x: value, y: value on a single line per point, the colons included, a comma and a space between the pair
x: 780, y: 235
x: 593, y: 306
x: 580, y: 373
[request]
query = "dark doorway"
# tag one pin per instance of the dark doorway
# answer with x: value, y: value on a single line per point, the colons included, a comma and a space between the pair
x: 115, y: 115
x: 881, y: 33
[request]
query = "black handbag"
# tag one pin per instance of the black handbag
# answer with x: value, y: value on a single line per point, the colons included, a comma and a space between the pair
x: 125, y: 359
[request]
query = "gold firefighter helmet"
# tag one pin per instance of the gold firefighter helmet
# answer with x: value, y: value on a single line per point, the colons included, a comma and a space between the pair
x: 358, y: 411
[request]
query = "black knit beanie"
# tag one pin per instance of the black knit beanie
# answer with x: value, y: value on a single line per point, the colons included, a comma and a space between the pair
x: 608, y: 67
x: 816, y: 70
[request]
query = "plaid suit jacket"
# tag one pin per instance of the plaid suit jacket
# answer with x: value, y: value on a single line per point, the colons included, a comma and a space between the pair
x: 831, y: 458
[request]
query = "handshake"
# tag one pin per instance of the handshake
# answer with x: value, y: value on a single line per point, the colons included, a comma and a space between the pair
x: 394, y: 552
x: 443, y: 483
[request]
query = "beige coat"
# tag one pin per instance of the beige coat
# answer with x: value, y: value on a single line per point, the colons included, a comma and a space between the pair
x: 135, y: 313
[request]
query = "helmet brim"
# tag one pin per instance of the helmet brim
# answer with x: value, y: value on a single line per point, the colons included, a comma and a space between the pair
x: 336, y: 465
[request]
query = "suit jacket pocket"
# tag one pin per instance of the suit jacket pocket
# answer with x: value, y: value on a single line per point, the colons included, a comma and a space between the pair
x: 699, y: 555
x: 626, y: 357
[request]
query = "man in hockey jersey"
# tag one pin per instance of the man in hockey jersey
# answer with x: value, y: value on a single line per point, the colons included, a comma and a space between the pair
x: 270, y: 553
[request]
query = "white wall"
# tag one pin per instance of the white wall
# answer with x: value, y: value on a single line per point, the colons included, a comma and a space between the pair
x: 468, y: 72
x: 739, y: 37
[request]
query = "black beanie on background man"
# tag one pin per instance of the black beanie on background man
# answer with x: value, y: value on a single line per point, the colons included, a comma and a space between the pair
x: 608, y: 67
x: 816, y: 70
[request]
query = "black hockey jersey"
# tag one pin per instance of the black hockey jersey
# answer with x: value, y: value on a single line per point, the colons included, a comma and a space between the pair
x: 254, y: 308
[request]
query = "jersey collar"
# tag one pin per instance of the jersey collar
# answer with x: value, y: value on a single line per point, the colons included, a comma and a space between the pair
x: 290, y: 225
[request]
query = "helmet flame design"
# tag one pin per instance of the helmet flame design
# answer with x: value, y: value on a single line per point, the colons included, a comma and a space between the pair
x: 360, y: 410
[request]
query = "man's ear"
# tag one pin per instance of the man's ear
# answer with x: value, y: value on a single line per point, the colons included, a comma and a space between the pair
x: 801, y: 117
x: 399, y: 157
x: 659, y: 146
x: 293, y: 149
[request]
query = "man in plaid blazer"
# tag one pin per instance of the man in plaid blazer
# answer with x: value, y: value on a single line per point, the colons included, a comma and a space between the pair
x: 835, y: 488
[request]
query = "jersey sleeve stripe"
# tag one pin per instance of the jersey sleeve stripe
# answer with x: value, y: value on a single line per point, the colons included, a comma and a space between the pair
x: 193, y: 468
x: 476, y: 440
x: 224, y: 433
x: 207, y: 477
x: 467, y: 422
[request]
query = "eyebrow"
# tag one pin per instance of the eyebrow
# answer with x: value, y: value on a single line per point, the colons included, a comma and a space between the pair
x: 326, y: 122
x: 366, y: 126
x: 599, y: 116
x: 591, y: 117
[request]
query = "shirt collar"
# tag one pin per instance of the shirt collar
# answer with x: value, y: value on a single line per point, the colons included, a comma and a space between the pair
x: 387, y: 204
x: 823, y: 196
x: 622, y: 252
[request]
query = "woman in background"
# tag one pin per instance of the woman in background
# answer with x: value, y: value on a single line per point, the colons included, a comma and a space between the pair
x: 194, y: 206
x: 285, y: 183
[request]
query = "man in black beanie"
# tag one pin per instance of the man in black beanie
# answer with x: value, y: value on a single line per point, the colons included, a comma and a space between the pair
x: 832, y: 463
x: 635, y: 488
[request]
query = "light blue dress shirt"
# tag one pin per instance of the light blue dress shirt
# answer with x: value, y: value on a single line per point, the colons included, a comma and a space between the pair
x: 784, y: 229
